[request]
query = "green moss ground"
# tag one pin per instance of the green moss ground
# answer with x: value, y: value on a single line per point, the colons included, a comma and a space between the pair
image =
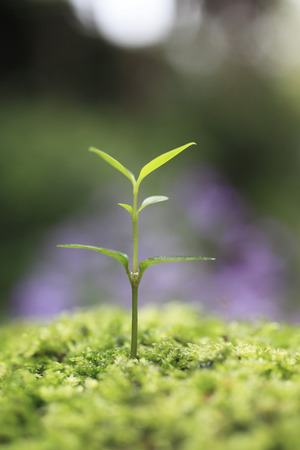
x: 199, y: 383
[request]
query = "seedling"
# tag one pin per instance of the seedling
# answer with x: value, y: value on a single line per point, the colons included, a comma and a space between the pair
x: 138, y: 269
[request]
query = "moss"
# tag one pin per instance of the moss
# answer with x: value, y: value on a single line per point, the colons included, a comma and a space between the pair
x: 199, y: 383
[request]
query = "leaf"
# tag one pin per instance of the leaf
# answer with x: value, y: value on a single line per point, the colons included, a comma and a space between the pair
x: 113, y: 162
x: 128, y: 207
x: 119, y: 256
x: 152, y: 200
x: 160, y: 160
x: 161, y: 259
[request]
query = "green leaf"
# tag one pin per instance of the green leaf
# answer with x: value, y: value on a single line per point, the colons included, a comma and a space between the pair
x: 160, y: 160
x: 161, y: 259
x: 113, y: 162
x: 152, y: 200
x: 119, y: 256
x: 128, y: 207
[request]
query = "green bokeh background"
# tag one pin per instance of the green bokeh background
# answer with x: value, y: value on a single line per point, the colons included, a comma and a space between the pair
x: 63, y: 90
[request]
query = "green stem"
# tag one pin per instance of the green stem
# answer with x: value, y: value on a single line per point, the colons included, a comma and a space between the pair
x: 134, y: 325
x: 135, y: 218
x: 135, y: 245
x: 134, y: 276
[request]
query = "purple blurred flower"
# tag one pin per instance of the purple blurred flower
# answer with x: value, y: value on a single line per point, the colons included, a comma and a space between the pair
x: 250, y: 276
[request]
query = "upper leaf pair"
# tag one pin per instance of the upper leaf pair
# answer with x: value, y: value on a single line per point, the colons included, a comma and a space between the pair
x: 147, y: 169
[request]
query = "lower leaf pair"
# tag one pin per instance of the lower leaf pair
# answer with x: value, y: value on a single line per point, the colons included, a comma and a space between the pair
x: 143, y: 265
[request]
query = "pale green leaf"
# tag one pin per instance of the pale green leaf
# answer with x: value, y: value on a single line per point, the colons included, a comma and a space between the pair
x: 119, y: 256
x: 113, y: 162
x: 152, y: 200
x: 160, y: 160
x: 128, y: 207
x: 162, y: 259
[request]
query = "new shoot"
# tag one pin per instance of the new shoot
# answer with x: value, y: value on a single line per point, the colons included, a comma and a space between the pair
x: 137, y: 269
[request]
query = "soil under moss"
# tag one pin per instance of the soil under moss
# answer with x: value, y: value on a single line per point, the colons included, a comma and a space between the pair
x: 199, y: 383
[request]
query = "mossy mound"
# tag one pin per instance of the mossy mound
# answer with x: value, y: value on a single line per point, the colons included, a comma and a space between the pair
x: 199, y: 383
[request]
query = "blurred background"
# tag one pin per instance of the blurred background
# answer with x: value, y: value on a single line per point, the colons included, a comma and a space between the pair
x: 137, y: 78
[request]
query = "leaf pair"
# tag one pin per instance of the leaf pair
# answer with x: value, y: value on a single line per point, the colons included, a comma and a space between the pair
x: 124, y: 260
x: 147, y: 169
x: 146, y: 202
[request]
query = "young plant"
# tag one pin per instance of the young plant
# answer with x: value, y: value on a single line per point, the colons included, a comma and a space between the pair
x: 138, y: 269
